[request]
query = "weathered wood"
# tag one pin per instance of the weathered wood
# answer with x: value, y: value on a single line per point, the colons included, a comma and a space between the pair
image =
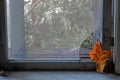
x: 107, y: 24
x: 116, y: 54
x: 3, y: 33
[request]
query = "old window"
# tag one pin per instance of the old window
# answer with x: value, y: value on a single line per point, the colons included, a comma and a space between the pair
x: 44, y: 32
x: 50, y: 29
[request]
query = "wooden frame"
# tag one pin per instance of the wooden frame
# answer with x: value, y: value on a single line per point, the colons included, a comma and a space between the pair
x: 3, y: 33
x: 107, y: 24
x: 116, y: 48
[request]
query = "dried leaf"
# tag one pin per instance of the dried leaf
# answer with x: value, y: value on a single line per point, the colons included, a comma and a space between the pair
x: 100, y: 56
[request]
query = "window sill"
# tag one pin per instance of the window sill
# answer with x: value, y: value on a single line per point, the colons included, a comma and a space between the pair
x: 82, y: 65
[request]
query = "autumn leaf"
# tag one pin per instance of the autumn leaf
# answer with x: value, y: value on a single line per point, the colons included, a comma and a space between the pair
x: 100, y: 56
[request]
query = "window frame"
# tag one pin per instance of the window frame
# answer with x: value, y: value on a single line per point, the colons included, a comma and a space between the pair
x: 116, y: 47
x: 49, y: 65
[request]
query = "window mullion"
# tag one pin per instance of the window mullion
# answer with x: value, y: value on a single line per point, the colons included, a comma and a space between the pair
x: 107, y: 24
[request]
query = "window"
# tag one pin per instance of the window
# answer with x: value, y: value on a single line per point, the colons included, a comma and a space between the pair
x: 50, y: 29
x: 57, y: 28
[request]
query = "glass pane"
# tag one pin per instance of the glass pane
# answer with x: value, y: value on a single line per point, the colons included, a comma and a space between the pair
x: 57, y: 29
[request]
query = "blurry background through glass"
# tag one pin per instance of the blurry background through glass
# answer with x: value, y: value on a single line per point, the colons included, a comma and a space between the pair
x: 58, y: 29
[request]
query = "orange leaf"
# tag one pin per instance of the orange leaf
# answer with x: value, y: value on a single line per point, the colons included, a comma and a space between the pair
x: 100, y: 56
x: 97, y: 47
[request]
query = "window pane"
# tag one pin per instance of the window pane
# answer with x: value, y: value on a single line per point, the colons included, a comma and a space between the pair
x: 57, y: 29
x: 57, y: 23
